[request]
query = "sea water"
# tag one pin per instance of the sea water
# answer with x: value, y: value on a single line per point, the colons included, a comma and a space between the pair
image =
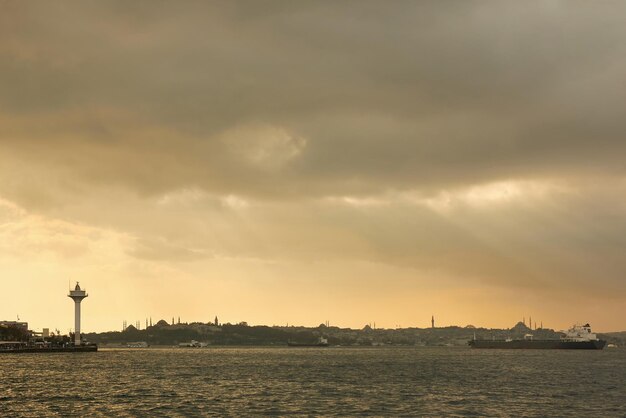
x: 342, y: 381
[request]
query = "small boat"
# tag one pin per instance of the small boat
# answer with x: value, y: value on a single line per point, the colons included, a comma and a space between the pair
x: 321, y: 342
x: 193, y: 344
x: 138, y: 344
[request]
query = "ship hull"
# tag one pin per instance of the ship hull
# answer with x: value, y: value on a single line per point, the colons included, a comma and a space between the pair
x: 539, y: 344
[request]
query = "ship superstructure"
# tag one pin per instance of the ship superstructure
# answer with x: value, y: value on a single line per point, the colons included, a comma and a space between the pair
x: 579, y: 333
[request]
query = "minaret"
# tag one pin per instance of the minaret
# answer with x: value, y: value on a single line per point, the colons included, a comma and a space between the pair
x: 77, y: 295
x: 432, y: 322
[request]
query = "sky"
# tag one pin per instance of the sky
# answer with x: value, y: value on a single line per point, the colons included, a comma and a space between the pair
x: 283, y: 162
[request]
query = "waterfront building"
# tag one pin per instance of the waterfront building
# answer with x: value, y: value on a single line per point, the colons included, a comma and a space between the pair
x: 17, y: 324
x: 11, y: 330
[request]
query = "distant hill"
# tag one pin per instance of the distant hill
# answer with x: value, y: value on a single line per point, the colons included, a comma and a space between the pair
x: 227, y: 334
x: 241, y: 334
x: 618, y: 338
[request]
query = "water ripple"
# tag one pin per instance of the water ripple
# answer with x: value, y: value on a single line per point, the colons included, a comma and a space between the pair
x: 392, y: 381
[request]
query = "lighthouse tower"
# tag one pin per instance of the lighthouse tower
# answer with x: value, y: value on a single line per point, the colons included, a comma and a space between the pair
x: 77, y: 295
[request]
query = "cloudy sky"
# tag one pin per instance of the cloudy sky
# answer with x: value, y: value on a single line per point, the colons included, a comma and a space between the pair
x: 279, y: 161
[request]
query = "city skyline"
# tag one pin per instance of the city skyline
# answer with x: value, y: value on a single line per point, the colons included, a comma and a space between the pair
x: 176, y: 320
x: 311, y: 161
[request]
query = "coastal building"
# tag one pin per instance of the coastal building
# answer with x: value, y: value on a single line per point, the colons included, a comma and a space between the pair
x: 17, y: 324
x: 13, y: 330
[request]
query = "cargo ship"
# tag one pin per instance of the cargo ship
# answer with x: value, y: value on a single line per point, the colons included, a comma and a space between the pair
x: 577, y: 337
x: 321, y: 342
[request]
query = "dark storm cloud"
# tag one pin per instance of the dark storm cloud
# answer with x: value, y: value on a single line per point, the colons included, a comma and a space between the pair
x: 387, y: 96
x: 285, y: 106
x: 468, y: 151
